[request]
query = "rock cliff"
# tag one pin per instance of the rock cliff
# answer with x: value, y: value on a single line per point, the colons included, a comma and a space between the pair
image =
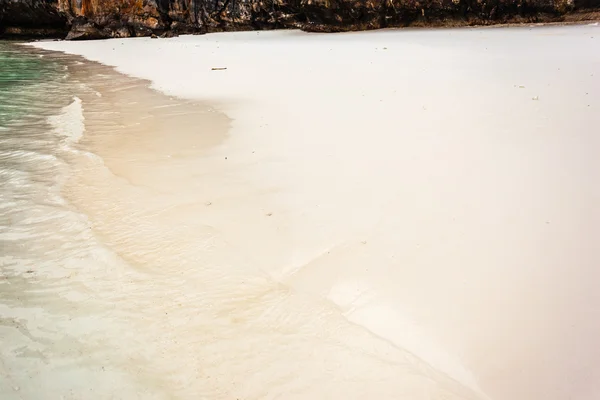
x: 92, y: 19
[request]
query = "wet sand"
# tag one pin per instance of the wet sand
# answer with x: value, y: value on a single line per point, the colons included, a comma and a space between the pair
x: 395, y: 214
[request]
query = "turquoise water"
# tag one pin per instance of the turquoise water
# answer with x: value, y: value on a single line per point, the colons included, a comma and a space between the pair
x: 28, y: 82
x: 32, y: 90
x: 39, y: 232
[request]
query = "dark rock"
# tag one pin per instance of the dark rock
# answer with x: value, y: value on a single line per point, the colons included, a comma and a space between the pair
x: 82, y: 29
x: 169, y: 34
x: 122, y: 32
x: 32, y: 18
x: 93, y: 19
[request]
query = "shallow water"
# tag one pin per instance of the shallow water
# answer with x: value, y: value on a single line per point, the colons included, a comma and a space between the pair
x: 116, y: 283
x: 47, y: 308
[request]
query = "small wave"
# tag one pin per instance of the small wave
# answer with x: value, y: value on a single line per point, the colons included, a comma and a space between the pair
x: 69, y: 123
x: 7, y: 155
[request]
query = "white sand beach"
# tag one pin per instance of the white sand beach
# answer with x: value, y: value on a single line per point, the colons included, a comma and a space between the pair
x: 399, y: 214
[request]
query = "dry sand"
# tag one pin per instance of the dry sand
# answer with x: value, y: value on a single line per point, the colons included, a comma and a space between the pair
x: 383, y: 203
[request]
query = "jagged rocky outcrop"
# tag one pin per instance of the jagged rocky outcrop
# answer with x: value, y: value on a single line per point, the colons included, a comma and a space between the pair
x: 92, y: 19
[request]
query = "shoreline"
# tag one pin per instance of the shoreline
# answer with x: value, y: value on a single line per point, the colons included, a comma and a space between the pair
x: 400, y: 171
x: 133, y: 179
x: 75, y: 319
